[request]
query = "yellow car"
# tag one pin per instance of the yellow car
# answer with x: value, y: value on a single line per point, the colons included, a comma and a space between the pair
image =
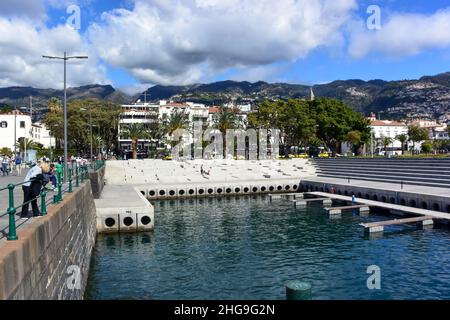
x: 303, y: 156
x: 324, y: 155
x: 168, y: 158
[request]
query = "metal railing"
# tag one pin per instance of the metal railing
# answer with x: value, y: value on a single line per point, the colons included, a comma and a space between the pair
x: 80, y: 173
x: 97, y: 165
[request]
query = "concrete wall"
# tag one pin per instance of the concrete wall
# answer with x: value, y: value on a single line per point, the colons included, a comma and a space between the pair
x: 97, y: 182
x: 51, y: 251
x: 405, y: 198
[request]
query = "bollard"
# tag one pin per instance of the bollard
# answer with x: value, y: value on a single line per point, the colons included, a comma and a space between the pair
x: 43, y: 204
x: 77, y: 182
x: 70, y: 181
x: 298, y: 290
x: 59, y: 186
x: 12, y: 212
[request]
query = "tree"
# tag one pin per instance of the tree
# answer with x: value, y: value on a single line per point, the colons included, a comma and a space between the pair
x: 334, y: 120
x: 135, y: 132
x: 417, y: 134
x: 23, y: 144
x: 427, y: 147
x: 6, y: 152
x: 403, y: 138
x: 386, y: 141
x: 177, y: 120
x: 226, y: 119
x: 105, y: 117
x: 354, y: 138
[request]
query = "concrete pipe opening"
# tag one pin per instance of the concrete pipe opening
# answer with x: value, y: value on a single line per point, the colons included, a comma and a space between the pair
x: 246, y: 189
x: 255, y: 189
x: 219, y: 190
x: 128, y: 221
x: 110, y: 222
x: 436, y: 207
x: 295, y: 187
x: 392, y: 200
x: 152, y: 193
x: 279, y: 188
x: 367, y: 196
x: 210, y: 191
x: 271, y: 188
x: 162, y: 192
x: 201, y: 191
x: 375, y: 197
x: 424, y: 205
x: 143, y: 193
x: 145, y: 220
x: 359, y: 195
x: 403, y: 202
x: 191, y: 191
x: 263, y: 189
x: 412, y: 203
x: 289, y: 188
x: 172, y: 192
x: 181, y: 192
x: 384, y: 199
x: 228, y: 190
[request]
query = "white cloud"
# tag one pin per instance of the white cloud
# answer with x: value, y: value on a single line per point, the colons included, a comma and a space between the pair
x: 22, y: 45
x: 402, y: 35
x: 179, y: 42
x: 33, y: 10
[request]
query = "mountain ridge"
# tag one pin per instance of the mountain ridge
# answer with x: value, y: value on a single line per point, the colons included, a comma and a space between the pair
x: 428, y: 96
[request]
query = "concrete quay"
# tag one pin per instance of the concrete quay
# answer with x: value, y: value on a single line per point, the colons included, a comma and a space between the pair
x: 123, y: 209
x: 159, y: 180
x: 413, y: 196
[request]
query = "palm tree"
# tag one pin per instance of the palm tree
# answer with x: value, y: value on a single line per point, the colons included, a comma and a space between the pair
x: 177, y: 120
x: 386, y: 141
x: 135, y: 131
x: 23, y: 144
x: 402, y: 138
x: 227, y: 118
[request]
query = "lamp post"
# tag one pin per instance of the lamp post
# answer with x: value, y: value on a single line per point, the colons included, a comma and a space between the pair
x: 65, y: 58
x: 90, y: 127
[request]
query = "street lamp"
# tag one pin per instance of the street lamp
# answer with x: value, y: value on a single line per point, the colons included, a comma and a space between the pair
x: 65, y: 58
x: 90, y: 127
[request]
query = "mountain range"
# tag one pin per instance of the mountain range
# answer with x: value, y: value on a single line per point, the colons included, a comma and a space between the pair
x: 427, y: 97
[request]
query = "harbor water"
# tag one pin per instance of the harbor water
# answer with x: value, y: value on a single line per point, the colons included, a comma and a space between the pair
x: 248, y: 248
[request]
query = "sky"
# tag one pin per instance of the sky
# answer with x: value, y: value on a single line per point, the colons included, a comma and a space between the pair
x: 135, y: 44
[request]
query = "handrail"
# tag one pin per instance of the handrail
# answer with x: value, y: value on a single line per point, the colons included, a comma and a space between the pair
x: 81, y: 172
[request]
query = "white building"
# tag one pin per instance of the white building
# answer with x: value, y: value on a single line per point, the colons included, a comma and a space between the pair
x: 40, y: 134
x: 389, y: 129
x: 14, y: 124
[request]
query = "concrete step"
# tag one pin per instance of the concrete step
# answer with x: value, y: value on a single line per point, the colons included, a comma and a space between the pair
x: 389, y: 180
x: 435, y: 176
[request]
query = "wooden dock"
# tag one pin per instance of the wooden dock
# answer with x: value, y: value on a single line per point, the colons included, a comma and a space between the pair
x: 379, y: 226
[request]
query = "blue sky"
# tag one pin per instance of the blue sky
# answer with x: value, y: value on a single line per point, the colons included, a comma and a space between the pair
x: 134, y: 44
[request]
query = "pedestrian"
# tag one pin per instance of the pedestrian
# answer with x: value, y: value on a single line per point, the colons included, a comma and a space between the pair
x: 5, y: 163
x: 18, y: 165
x: 201, y: 169
x: 31, y: 188
x: 51, y: 175
x: 1, y: 164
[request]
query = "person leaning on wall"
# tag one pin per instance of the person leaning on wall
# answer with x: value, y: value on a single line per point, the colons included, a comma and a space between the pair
x: 34, y: 181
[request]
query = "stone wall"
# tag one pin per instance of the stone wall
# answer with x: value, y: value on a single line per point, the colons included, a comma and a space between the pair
x: 97, y: 182
x: 51, y: 258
